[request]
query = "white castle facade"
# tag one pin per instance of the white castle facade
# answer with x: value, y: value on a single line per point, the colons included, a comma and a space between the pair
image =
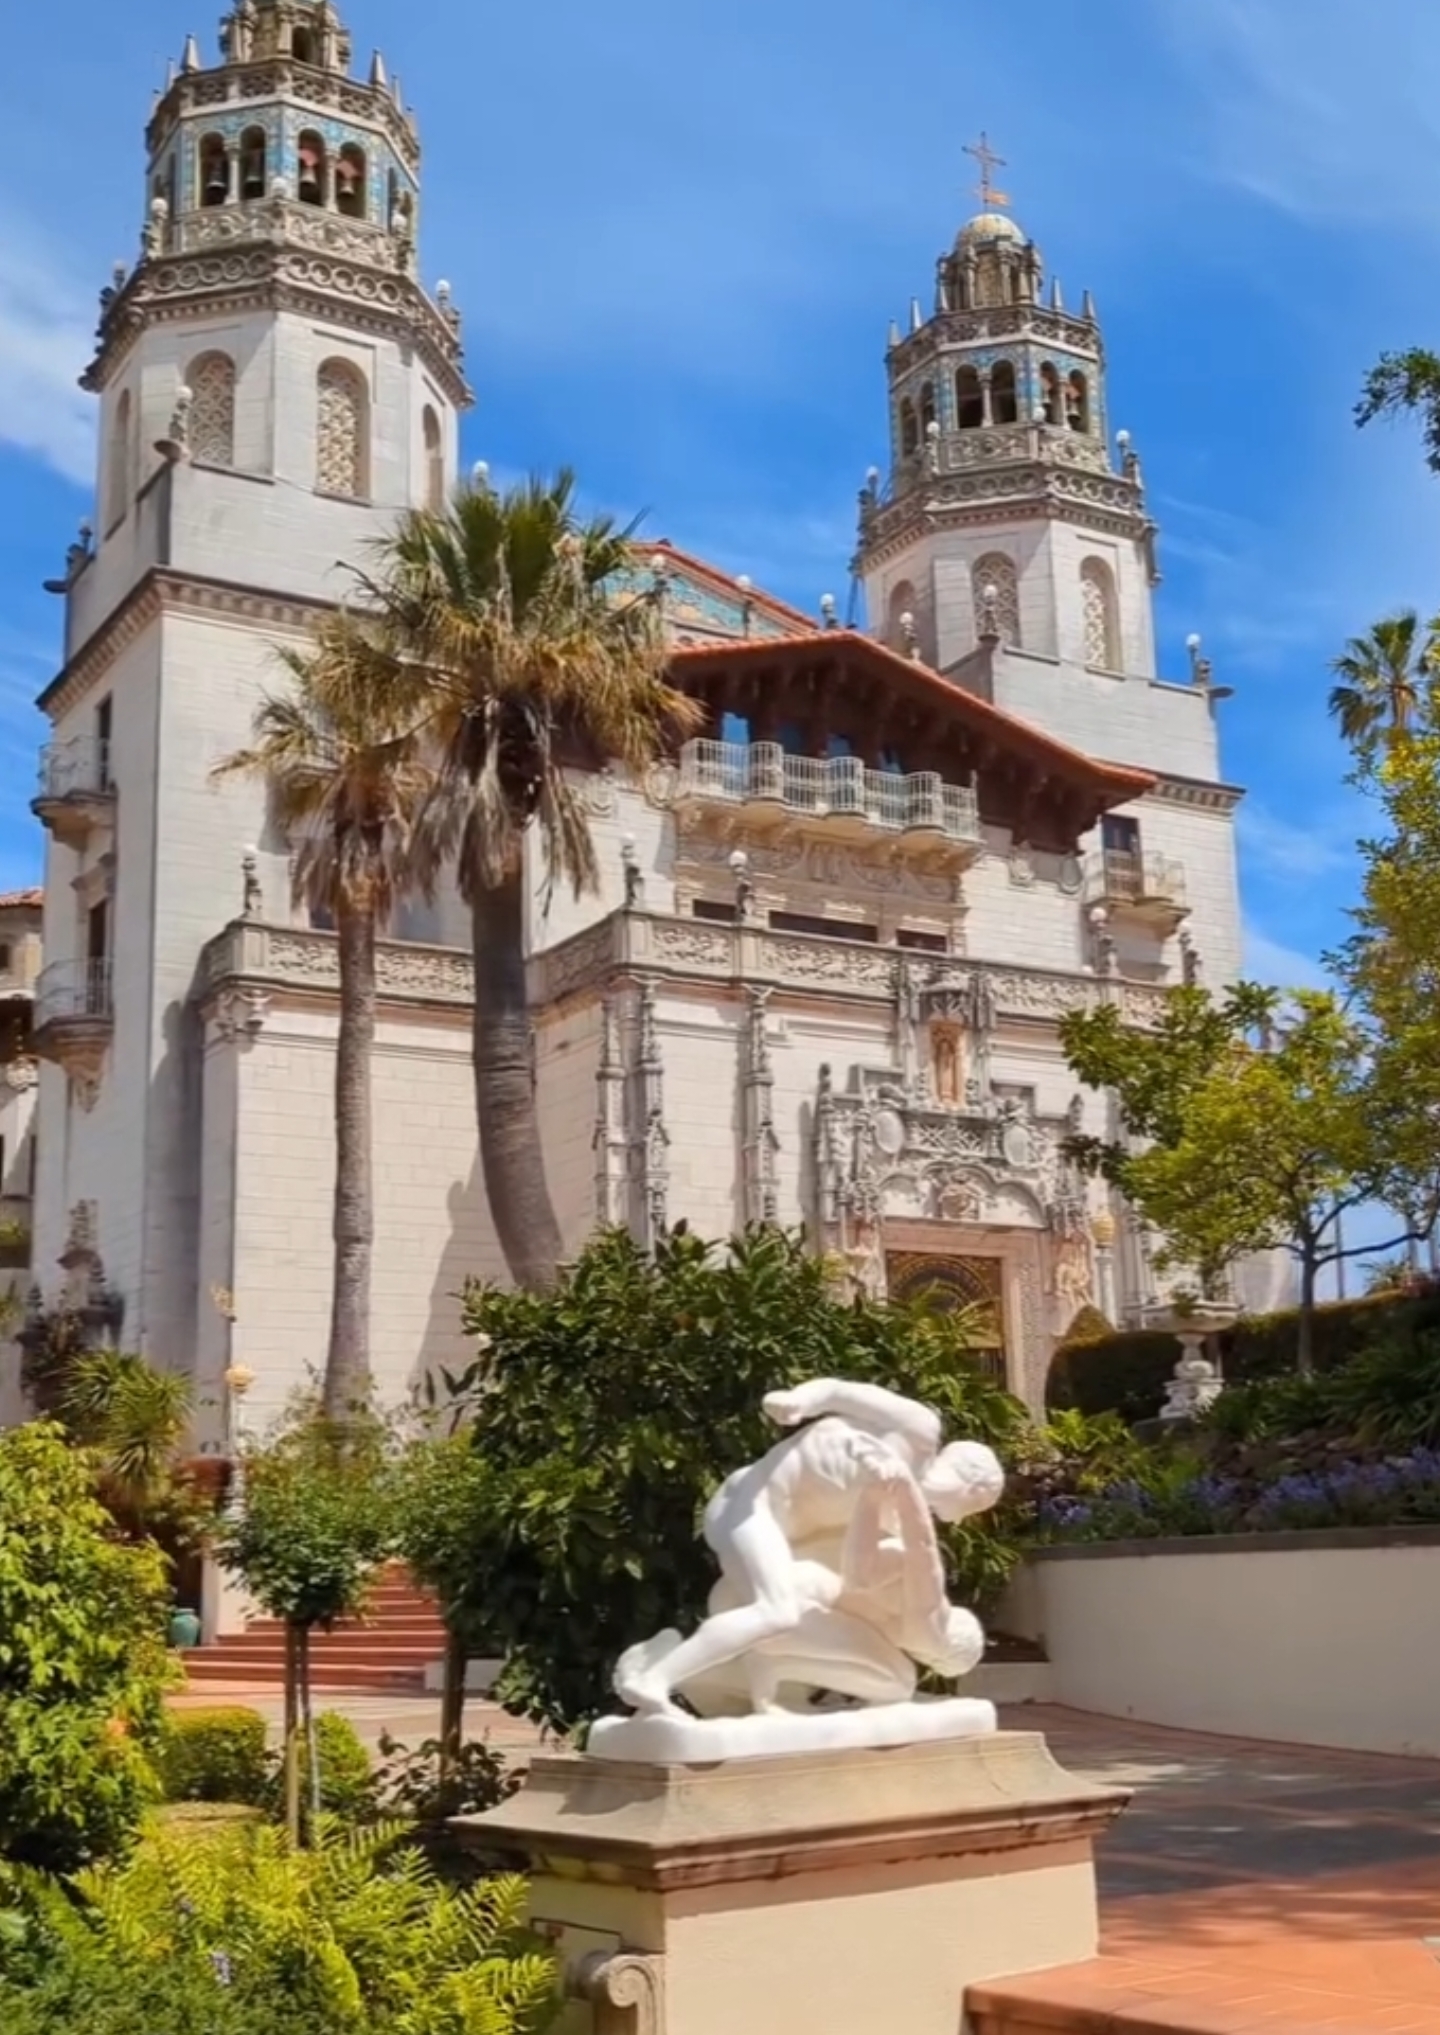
x: 822, y: 979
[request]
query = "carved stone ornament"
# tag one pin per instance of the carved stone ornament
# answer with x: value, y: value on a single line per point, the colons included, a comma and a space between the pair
x: 628, y: 1991
x: 19, y: 1076
x: 239, y: 1015
x: 831, y: 1583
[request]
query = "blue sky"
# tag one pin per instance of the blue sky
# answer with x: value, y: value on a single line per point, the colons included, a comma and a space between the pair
x: 678, y: 239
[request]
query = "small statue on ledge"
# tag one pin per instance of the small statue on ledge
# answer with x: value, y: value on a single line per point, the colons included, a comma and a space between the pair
x: 831, y: 1583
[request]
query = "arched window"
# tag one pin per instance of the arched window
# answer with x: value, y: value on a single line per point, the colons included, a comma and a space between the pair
x: 996, y: 588
x: 302, y: 46
x: 1077, y: 402
x: 118, y: 489
x: 909, y: 429
x: 1050, y: 393
x: 214, y: 171
x: 1004, y: 404
x: 927, y: 407
x: 969, y: 400
x: 314, y: 169
x: 901, y: 602
x: 434, y: 461
x: 1097, y: 606
x: 350, y: 190
x: 342, y: 431
x: 211, y: 381
x: 252, y: 163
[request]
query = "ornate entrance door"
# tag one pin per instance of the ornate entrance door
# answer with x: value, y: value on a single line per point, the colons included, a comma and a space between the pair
x: 950, y: 1283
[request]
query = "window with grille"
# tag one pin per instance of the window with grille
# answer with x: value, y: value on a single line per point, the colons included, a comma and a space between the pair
x: 997, y: 591
x: 211, y: 381
x: 342, y: 432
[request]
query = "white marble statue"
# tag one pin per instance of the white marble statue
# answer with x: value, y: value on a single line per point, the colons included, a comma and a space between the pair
x: 831, y: 1582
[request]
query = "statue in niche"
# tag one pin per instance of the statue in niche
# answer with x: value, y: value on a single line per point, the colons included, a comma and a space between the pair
x: 831, y: 1580
x: 1074, y: 1282
x: 866, y: 1258
x: 1017, y: 1137
x: 945, y: 1060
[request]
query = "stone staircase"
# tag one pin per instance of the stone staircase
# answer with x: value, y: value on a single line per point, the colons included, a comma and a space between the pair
x: 398, y: 1640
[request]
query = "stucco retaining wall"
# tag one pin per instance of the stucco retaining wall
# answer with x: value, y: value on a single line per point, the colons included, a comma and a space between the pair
x: 1320, y: 1639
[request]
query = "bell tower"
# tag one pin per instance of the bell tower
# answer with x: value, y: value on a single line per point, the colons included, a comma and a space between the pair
x: 276, y: 387
x: 273, y: 332
x: 1004, y: 516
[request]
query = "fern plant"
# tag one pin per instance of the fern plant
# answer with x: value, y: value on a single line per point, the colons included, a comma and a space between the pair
x: 353, y: 1936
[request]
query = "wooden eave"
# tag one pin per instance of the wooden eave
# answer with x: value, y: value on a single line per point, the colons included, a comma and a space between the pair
x: 838, y: 682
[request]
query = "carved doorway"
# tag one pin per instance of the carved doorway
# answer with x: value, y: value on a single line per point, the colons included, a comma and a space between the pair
x: 948, y: 1284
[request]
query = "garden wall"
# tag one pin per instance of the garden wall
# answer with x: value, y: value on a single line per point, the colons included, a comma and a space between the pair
x: 1317, y: 1638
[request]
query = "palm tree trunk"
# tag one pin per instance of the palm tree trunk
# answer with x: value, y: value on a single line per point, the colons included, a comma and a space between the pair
x: 505, y: 1105
x: 347, y: 1363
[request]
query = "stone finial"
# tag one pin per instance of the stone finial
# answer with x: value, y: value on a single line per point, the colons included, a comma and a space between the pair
x: 253, y: 898
x: 827, y: 611
x: 634, y: 876
x: 379, y: 77
x: 1057, y: 299
x: 909, y: 635
x: 917, y: 316
x: 190, y: 61
x: 152, y: 237
x: 1201, y: 672
x: 989, y: 631
x: 893, y: 337
x: 744, y: 888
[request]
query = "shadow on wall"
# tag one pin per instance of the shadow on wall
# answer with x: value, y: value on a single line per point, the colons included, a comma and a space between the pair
x: 471, y: 1252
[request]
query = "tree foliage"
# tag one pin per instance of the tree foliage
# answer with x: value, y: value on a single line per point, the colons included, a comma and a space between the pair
x: 1380, y: 679
x: 1248, y: 1124
x: 1406, y: 385
x: 83, y: 1664
x: 315, y: 1524
x: 607, y: 1412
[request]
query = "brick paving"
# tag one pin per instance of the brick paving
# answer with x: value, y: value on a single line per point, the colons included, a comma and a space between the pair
x: 1249, y: 1889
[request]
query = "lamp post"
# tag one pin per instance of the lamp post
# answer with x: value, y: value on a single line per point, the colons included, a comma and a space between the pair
x: 1102, y: 1235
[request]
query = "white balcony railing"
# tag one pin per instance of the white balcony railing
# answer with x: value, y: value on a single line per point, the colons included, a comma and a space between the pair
x: 1121, y: 876
x: 759, y: 773
x: 79, y: 768
x: 71, y: 992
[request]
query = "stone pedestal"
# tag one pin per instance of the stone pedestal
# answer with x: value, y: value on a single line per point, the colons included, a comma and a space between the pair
x: 854, y: 1892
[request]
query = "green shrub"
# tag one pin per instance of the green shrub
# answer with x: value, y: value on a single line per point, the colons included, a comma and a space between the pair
x: 214, y: 1756
x: 1127, y: 1373
x: 606, y: 1412
x: 83, y: 1661
x: 244, y: 1935
x: 409, y: 1784
x: 347, y: 1773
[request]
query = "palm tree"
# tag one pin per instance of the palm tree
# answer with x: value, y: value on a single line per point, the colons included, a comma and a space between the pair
x: 339, y: 754
x: 1381, y: 680
x: 536, y: 664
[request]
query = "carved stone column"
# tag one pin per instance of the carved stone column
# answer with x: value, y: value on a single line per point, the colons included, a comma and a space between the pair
x: 609, y: 1142
x: 650, y: 1145
x: 757, y: 1112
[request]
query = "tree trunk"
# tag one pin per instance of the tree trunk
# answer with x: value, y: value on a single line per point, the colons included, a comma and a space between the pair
x: 452, y: 1704
x: 1305, y: 1339
x: 505, y: 1103
x: 347, y: 1363
x: 294, y: 1737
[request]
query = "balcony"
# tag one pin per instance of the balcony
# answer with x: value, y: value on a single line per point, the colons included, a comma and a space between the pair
x: 838, y: 793
x: 74, y: 1019
x: 76, y: 793
x: 1149, y: 888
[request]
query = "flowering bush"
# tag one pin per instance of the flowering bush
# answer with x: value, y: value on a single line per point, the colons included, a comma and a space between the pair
x: 1180, y: 1498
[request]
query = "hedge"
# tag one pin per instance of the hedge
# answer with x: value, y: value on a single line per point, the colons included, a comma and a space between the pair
x: 1127, y: 1372
x: 214, y: 1755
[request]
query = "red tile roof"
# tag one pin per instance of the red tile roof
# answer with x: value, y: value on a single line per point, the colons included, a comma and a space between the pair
x: 1115, y: 781
x: 21, y: 900
x: 723, y: 582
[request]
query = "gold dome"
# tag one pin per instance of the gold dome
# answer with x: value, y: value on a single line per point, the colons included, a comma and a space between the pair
x: 988, y: 227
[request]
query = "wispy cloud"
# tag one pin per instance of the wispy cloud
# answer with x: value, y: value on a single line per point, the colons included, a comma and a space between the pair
x: 1271, y: 961
x: 1311, y: 115
x: 45, y: 331
x: 1281, y: 849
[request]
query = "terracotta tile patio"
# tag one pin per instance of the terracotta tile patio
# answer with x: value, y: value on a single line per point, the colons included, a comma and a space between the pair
x: 1249, y: 1888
